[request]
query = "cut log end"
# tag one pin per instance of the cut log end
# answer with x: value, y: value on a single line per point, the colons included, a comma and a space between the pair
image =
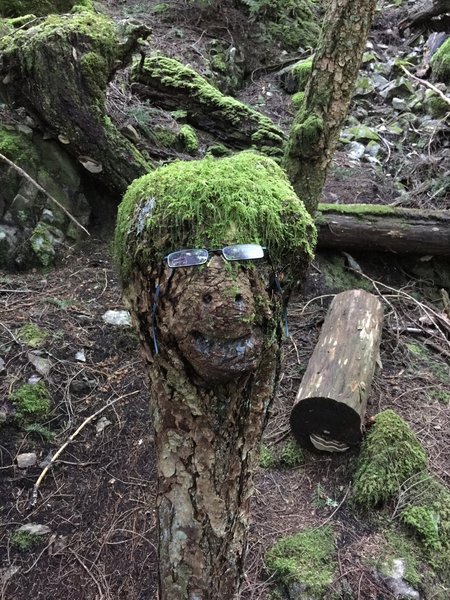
x: 333, y: 423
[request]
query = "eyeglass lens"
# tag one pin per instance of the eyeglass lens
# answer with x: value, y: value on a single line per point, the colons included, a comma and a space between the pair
x: 193, y: 257
x: 243, y: 252
x: 187, y: 258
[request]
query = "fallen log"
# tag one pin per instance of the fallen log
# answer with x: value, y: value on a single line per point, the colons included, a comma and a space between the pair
x: 329, y: 410
x: 383, y: 228
x: 424, y: 11
x: 172, y: 85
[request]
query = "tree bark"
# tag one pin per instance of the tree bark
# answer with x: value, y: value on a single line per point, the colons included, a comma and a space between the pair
x: 172, y: 85
x: 317, y: 125
x: 332, y: 398
x: 209, y: 408
x: 59, y: 70
x: 383, y: 228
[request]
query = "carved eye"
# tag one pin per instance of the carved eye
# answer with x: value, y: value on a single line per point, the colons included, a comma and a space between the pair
x: 207, y: 298
x: 238, y: 298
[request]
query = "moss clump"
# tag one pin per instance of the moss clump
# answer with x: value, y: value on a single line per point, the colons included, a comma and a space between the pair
x: 205, y: 203
x: 440, y: 63
x: 306, y: 559
x: 426, y: 511
x: 399, y: 545
x: 40, y: 8
x: 267, y: 459
x: 297, y: 100
x: 42, y: 242
x: 18, y: 149
x: 188, y: 139
x: 390, y: 455
x: 291, y: 454
x: 301, y: 72
x: 176, y: 76
x: 32, y: 335
x: 24, y: 541
x: 32, y: 402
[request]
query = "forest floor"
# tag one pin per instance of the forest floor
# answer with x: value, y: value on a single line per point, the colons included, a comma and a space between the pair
x: 97, y: 500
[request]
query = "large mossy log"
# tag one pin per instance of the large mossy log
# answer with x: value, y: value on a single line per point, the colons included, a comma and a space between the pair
x: 218, y: 329
x: 332, y: 398
x: 58, y: 69
x: 383, y: 228
x: 172, y: 85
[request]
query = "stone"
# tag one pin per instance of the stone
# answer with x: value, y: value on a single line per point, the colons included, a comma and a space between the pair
x: 121, y: 318
x: 35, y: 529
x: 26, y: 459
x: 393, y: 579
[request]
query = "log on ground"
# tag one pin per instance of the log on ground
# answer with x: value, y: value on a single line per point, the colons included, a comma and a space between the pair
x: 383, y: 228
x: 332, y: 398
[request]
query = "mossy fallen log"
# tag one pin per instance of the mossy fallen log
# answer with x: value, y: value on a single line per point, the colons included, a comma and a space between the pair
x: 328, y: 413
x: 383, y: 228
x: 172, y: 85
x: 58, y: 69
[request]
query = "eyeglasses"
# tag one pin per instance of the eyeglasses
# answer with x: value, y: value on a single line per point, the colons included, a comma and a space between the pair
x: 199, y: 256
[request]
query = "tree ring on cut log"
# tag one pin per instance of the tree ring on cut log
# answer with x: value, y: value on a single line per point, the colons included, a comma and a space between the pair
x: 326, y: 418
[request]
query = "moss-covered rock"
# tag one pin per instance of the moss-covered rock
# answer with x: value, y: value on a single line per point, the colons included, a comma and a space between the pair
x: 304, y: 562
x: 211, y: 202
x: 390, y: 455
x: 188, y: 138
x: 40, y: 8
x: 440, y: 63
x: 18, y: 149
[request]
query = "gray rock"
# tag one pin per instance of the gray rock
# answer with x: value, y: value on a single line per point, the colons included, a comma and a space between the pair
x: 26, y: 459
x: 41, y: 364
x: 356, y: 150
x: 393, y: 579
x: 121, y: 318
x: 35, y: 529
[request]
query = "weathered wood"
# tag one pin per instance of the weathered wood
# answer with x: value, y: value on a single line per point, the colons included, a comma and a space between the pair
x: 332, y: 398
x: 368, y: 227
x: 172, y: 85
x: 424, y: 11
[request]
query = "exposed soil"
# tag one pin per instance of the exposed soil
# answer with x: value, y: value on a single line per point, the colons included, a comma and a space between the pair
x: 98, y: 497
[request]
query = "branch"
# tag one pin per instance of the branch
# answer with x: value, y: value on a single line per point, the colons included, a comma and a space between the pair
x: 427, y: 84
x: 40, y: 188
x: 67, y: 442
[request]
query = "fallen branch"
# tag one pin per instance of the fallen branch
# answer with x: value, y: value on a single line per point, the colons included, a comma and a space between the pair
x: 67, y: 442
x: 41, y: 189
x: 427, y: 84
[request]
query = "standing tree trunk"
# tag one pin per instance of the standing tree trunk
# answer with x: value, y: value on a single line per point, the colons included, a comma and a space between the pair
x: 211, y: 338
x: 318, y: 123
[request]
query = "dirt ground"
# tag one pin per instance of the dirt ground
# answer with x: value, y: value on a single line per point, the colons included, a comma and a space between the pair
x: 98, y: 497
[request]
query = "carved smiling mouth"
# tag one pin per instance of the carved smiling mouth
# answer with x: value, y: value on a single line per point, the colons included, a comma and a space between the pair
x: 231, y: 348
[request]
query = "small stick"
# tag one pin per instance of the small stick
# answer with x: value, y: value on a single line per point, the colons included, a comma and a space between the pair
x: 427, y: 84
x: 40, y: 188
x: 67, y: 442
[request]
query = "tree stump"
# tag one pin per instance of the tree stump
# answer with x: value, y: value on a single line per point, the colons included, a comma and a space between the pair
x: 211, y: 340
x: 329, y: 410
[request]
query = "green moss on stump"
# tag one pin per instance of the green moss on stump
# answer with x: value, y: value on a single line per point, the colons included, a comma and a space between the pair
x: 32, y: 402
x: 440, y: 63
x: 301, y: 72
x: 188, y: 138
x: 18, y: 149
x: 210, y: 202
x: 390, y: 455
x: 306, y: 559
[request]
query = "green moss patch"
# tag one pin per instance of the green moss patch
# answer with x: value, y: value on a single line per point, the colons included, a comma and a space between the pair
x: 40, y: 8
x: 245, y: 198
x: 399, y: 545
x: 305, y: 559
x: 440, y: 63
x: 390, y: 455
x: 188, y: 137
x: 32, y: 402
x: 301, y: 72
x: 32, y: 335
x: 24, y: 541
x: 18, y: 149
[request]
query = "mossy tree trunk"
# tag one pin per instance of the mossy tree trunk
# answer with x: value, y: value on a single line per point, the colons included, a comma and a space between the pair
x: 218, y: 331
x: 318, y: 123
x: 59, y: 70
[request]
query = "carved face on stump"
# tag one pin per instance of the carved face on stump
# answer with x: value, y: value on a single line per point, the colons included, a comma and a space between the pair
x: 217, y: 316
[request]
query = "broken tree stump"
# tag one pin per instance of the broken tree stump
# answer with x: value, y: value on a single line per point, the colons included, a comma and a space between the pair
x: 210, y: 334
x: 329, y: 410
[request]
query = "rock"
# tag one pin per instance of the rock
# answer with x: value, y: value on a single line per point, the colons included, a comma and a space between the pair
x: 41, y: 364
x: 80, y: 356
x: 393, y: 579
x: 7, y: 411
x: 35, y: 529
x: 26, y: 459
x: 121, y: 318
x: 356, y: 150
